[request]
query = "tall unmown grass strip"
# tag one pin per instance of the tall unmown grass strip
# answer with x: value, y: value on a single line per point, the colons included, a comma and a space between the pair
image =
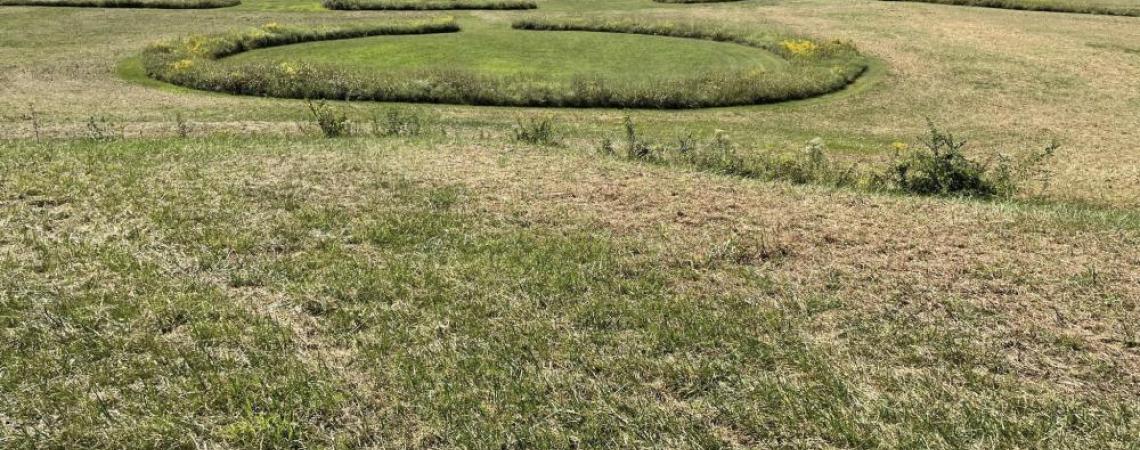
x: 935, y: 166
x: 152, y: 4
x: 812, y: 69
x: 1062, y: 6
x: 426, y: 5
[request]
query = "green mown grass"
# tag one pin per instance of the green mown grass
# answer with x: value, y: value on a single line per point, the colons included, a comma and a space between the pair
x: 534, y: 56
x: 271, y: 293
x: 1105, y: 7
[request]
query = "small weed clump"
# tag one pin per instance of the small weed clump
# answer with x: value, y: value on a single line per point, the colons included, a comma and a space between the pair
x: 536, y: 132
x: 33, y: 118
x: 397, y: 122
x: 182, y: 128
x: 102, y: 129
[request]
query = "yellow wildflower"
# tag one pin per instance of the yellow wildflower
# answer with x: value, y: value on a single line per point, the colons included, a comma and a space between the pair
x: 182, y: 65
x: 800, y: 47
x: 289, y: 69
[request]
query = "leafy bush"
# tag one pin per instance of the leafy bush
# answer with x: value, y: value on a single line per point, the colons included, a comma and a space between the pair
x: 331, y: 122
x: 154, y: 4
x: 423, y: 5
x: 192, y: 63
x: 940, y: 167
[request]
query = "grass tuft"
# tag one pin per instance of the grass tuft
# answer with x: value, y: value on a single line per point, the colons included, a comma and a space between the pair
x: 536, y: 131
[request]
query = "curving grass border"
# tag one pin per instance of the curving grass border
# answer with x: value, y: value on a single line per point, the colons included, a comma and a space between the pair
x: 427, y: 5
x: 1070, y: 6
x: 149, y: 4
x: 812, y: 69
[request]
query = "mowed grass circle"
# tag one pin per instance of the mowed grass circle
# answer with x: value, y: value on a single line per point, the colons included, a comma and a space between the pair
x: 582, y: 62
x: 526, y: 56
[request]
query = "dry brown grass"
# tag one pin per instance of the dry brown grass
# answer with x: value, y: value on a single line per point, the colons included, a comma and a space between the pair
x: 882, y: 255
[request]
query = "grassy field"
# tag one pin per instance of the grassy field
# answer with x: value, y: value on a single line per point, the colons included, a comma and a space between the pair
x: 1107, y: 7
x: 189, y: 269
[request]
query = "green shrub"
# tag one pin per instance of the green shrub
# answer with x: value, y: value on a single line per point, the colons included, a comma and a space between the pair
x: 423, y: 5
x: 332, y: 123
x: 940, y: 167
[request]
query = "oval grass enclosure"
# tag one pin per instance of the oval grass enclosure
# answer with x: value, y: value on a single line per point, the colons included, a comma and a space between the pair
x: 539, y: 62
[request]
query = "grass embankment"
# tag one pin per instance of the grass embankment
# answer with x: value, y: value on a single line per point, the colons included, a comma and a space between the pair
x: 1102, y: 7
x: 810, y: 69
x: 152, y: 4
x: 266, y: 293
x: 425, y: 5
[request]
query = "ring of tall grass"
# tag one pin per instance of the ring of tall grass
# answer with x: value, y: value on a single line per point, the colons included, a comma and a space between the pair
x: 150, y: 4
x: 1060, y: 6
x: 426, y: 5
x: 813, y: 68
